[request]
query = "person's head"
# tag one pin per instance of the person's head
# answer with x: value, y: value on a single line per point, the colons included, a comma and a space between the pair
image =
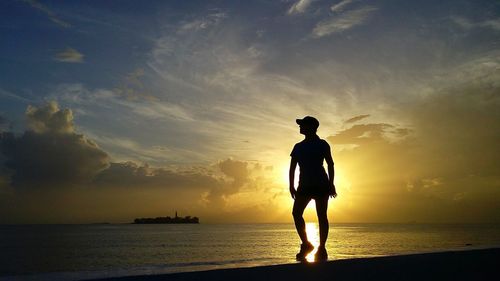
x: 308, y: 125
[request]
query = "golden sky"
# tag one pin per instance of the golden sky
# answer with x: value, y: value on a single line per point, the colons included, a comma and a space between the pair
x: 110, y: 112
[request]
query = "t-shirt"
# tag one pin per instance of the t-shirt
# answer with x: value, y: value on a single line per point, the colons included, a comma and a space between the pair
x: 310, y: 154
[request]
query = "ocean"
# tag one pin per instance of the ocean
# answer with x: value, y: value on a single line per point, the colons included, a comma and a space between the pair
x: 69, y: 252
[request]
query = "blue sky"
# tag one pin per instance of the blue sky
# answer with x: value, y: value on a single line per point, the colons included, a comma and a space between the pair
x: 183, y: 84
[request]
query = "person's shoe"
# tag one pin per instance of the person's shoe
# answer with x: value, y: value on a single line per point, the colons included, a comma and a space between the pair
x: 321, y: 254
x: 305, y: 249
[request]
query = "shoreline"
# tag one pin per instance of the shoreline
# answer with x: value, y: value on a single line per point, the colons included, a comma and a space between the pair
x: 476, y: 264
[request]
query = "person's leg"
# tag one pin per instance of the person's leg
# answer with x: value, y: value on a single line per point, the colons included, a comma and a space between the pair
x: 298, y: 210
x: 321, y: 211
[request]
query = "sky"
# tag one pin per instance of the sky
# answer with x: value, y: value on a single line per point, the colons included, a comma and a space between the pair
x: 112, y: 110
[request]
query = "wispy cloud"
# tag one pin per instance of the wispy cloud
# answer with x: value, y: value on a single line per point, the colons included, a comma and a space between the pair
x: 132, y: 88
x: 203, y: 22
x: 356, y: 118
x: 77, y: 94
x: 339, y: 7
x: 69, y: 55
x: 160, y: 110
x: 343, y: 22
x: 50, y: 14
x: 299, y: 7
x: 467, y: 24
x: 10, y: 95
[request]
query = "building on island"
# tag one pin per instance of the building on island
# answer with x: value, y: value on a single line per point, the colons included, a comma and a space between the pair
x: 167, y: 220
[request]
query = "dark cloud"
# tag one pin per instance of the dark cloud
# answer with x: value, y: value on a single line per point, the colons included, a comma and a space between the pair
x: 356, y: 118
x: 51, y: 153
x: 38, y: 167
x: 401, y: 132
x: 3, y: 123
x: 130, y: 174
x: 128, y: 190
x: 360, y: 134
x: 237, y: 170
x: 199, y: 183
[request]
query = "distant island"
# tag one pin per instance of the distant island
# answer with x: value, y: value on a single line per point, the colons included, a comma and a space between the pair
x: 176, y: 219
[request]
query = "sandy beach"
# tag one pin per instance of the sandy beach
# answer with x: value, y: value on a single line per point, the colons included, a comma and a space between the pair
x: 480, y: 264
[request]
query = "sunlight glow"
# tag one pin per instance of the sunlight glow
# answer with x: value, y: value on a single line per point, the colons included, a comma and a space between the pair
x: 284, y: 174
x: 312, y: 231
x: 341, y: 180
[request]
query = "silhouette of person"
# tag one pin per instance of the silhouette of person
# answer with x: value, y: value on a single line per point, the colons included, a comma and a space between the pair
x: 314, y: 183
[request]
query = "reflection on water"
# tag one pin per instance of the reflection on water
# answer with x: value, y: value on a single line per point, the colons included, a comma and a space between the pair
x: 146, y: 249
x: 313, y: 236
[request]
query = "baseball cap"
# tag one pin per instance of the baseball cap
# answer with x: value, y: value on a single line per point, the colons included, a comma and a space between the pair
x: 308, y: 121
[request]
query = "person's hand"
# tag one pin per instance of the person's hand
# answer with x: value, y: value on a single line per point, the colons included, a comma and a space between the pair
x: 333, y: 191
x: 293, y: 192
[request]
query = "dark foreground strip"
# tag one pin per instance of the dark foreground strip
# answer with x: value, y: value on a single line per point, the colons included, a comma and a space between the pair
x: 456, y: 266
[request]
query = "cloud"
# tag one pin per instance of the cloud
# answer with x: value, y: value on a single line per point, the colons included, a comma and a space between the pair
x: 201, y: 188
x: 132, y: 88
x: 54, y: 169
x: 442, y: 166
x: 160, y: 110
x: 132, y: 175
x: 13, y: 96
x: 467, y: 24
x: 128, y: 98
x: 237, y: 170
x: 122, y: 118
x: 51, y: 15
x: 204, y: 22
x: 339, y: 7
x: 3, y: 123
x: 218, y: 193
x: 361, y: 134
x: 356, y: 118
x: 51, y: 153
x: 343, y: 21
x: 493, y: 24
x: 299, y: 7
x: 219, y: 84
x: 50, y: 173
x: 50, y: 119
x: 69, y: 55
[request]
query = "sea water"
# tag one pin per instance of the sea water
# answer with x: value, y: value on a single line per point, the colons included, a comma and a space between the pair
x: 69, y: 252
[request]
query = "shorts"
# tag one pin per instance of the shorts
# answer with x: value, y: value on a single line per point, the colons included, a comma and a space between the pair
x: 313, y: 192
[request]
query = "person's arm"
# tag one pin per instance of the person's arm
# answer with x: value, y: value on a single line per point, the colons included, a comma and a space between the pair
x: 291, y: 177
x: 331, y: 172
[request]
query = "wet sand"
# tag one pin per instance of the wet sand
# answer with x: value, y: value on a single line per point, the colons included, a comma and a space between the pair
x: 481, y: 264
